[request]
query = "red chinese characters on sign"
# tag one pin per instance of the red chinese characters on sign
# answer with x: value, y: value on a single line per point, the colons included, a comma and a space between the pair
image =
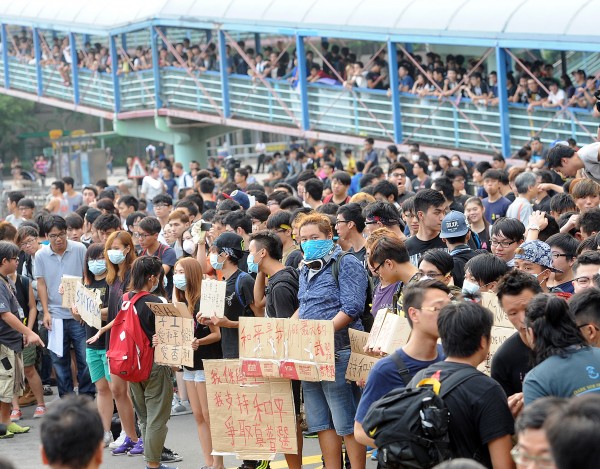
x: 249, y: 416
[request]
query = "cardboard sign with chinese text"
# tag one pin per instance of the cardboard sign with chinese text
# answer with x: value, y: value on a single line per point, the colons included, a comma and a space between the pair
x: 212, y: 300
x: 287, y: 348
x: 251, y: 417
x: 88, y: 306
x: 389, y: 332
x: 501, y: 331
x: 69, y: 284
x: 360, y: 363
x: 175, y: 332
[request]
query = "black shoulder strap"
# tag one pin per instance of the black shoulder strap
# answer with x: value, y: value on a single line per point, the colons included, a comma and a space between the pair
x: 402, y: 368
x: 456, y: 379
x: 335, y: 267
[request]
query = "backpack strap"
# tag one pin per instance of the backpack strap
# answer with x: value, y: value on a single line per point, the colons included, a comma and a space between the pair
x: 335, y: 267
x: 402, y: 368
x: 456, y: 379
x: 237, y: 287
x: 133, y: 299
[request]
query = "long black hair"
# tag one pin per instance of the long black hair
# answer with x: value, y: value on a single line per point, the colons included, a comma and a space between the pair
x: 142, y: 269
x: 553, y: 326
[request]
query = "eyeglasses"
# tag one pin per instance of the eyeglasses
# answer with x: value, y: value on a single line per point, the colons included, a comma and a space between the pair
x: 376, y: 269
x: 271, y: 203
x: 372, y: 222
x: 54, y: 237
x: 556, y: 255
x: 583, y: 281
x: 542, y: 462
x: 163, y: 205
x: 433, y: 309
x: 28, y: 242
x: 588, y: 324
x: 337, y: 222
x: 399, y: 175
x: 503, y: 244
x: 142, y: 236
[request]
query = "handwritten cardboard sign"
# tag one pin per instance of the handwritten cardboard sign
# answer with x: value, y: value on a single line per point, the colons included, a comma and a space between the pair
x: 69, y: 284
x: 254, y: 418
x: 287, y: 348
x: 88, y: 306
x: 389, y: 332
x: 360, y: 363
x: 501, y: 330
x: 212, y: 300
x: 175, y: 332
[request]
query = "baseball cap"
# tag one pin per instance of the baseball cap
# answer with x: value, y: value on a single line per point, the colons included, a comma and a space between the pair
x: 231, y: 244
x: 536, y: 252
x: 240, y: 197
x: 454, y: 224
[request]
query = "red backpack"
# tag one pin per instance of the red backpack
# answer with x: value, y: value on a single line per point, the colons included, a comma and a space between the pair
x: 130, y: 354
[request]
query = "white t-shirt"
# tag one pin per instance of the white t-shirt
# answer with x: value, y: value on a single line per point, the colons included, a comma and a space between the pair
x: 151, y: 187
x: 556, y: 98
x: 589, y: 156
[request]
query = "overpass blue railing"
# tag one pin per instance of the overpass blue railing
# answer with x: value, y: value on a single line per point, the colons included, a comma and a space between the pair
x: 332, y: 109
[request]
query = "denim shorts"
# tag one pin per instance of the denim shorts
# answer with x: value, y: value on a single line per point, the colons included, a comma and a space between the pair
x: 196, y: 376
x: 331, y: 405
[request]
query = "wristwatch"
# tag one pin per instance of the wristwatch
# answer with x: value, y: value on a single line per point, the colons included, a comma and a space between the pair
x: 533, y: 227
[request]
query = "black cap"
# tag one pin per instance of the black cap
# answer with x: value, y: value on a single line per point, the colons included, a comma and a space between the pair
x: 230, y: 243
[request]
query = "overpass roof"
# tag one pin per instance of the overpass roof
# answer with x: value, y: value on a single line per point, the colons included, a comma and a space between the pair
x: 439, y: 20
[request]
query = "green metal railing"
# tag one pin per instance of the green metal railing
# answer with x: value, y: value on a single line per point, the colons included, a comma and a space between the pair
x: 180, y: 90
x: 333, y: 109
x: 96, y: 89
x: 137, y: 90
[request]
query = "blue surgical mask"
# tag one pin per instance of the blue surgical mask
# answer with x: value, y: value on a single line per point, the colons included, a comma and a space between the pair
x: 165, y: 281
x: 115, y: 256
x: 154, y: 287
x: 97, y: 266
x: 214, y: 262
x: 470, y: 288
x: 252, y: 266
x: 316, y: 248
x: 179, y: 281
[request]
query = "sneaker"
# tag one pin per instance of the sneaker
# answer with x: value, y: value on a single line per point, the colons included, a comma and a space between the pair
x: 374, y: 455
x: 76, y: 390
x: 48, y: 390
x: 119, y: 441
x: 124, y: 448
x: 17, y: 429
x: 6, y: 434
x: 181, y: 408
x: 169, y: 455
x: 108, y: 437
x: 40, y: 411
x: 162, y: 466
x: 16, y: 415
x: 138, y: 448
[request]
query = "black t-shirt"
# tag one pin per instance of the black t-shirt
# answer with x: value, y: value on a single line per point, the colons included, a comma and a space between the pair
x: 234, y: 309
x: 416, y: 248
x: 460, y: 256
x: 208, y: 352
x: 101, y: 287
x: 22, y: 293
x: 479, y: 412
x: 543, y: 205
x: 282, y: 294
x: 360, y: 254
x: 294, y: 258
x: 511, y: 362
x: 510, y: 196
x: 461, y: 200
x: 115, y: 298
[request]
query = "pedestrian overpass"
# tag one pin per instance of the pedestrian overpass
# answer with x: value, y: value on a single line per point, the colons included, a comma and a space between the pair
x: 185, y: 107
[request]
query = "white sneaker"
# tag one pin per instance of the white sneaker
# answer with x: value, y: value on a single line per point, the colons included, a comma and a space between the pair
x: 182, y: 408
x: 108, y: 438
x: 119, y: 441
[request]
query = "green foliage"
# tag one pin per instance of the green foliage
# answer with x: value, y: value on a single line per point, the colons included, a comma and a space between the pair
x: 15, y: 115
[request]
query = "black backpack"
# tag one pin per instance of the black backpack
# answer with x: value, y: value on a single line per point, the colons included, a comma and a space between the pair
x: 366, y: 317
x: 410, y: 425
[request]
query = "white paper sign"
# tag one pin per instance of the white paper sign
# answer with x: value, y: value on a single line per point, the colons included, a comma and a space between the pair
x: 88, y: 306
x: 212, y: 300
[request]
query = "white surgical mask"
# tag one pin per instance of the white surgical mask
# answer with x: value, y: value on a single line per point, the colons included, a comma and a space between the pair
x: 470, y: 288
x: 456, y: 164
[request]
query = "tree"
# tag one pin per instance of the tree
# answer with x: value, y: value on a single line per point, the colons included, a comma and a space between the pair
x: 15, y: 115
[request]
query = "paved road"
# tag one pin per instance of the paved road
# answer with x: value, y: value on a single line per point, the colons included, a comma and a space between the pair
x: 23, y: 450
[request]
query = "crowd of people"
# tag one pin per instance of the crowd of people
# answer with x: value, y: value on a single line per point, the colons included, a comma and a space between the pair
x: 330, y: 238
x: 423, y: 75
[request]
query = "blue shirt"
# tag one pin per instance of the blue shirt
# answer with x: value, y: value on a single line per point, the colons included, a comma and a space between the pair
x: 495, y: 210
x: 384, y: 377
x: 576, y: 374
x: 355, y: 184
x: 52, y: 267
x: 321, y: 297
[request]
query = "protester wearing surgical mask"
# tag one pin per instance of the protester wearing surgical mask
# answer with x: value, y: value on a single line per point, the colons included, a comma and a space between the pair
x: 189, y: 247
x: 482, y: 273
x: 535, y: 258
x: 225, y: 255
